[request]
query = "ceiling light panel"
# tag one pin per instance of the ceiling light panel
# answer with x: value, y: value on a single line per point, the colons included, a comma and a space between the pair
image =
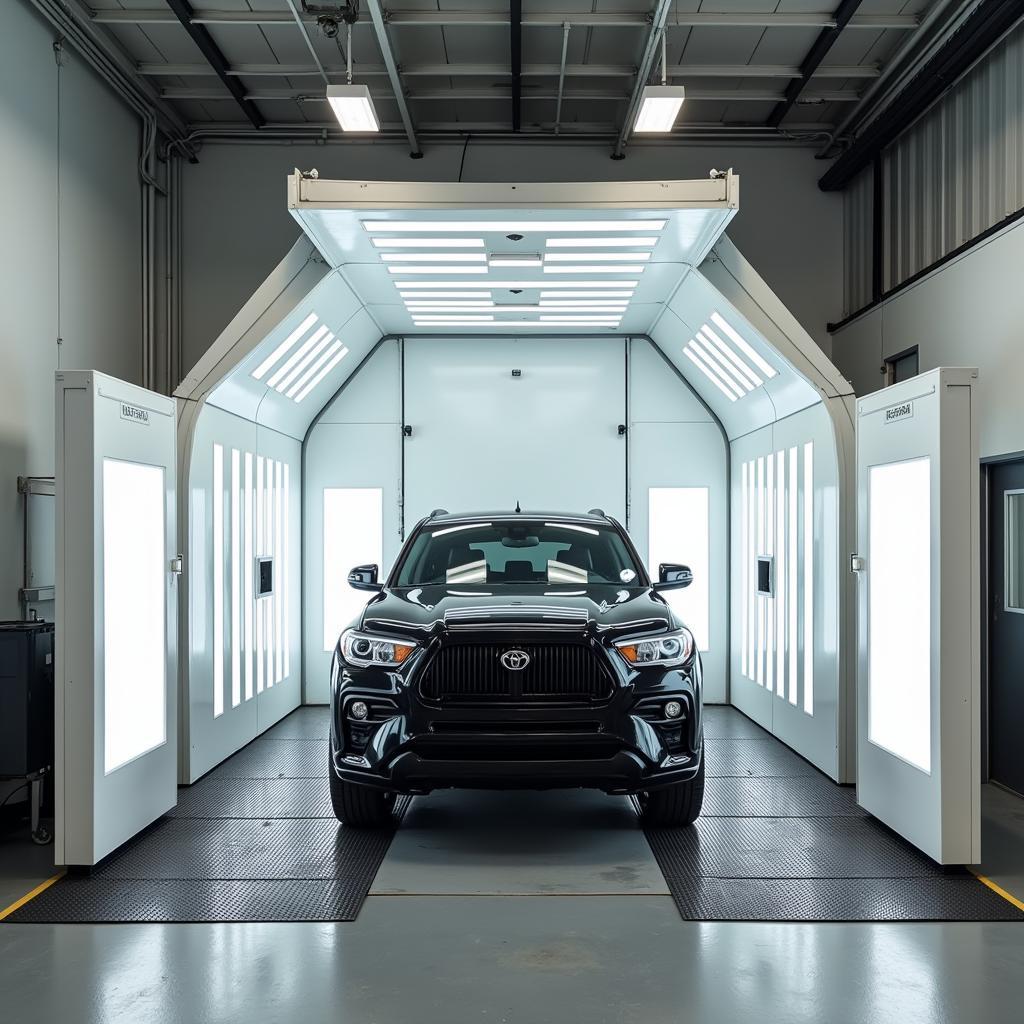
x: 279, y: 374
x: 501, y: 283
x: 353, y: 108
x: 560, y: 293
x: 715, y: 361
x: 375, y: 227
x: 736, y: 338
x: 698, y: 361
x: 595, y: 269
x: 596, y: 257
x: 433, y: 257
x: 279, y: 353
x: 623, y: 241
x: 428, y: 243
x: 331, y: 363
x: 429, y: 268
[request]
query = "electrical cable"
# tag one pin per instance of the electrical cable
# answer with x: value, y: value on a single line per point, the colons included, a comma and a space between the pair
x: 462, y: 162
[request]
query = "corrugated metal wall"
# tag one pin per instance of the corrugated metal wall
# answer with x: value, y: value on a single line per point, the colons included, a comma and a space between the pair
x: 951, y: 176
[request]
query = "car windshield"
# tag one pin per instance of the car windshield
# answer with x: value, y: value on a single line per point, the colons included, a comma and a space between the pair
x: 520, y: 551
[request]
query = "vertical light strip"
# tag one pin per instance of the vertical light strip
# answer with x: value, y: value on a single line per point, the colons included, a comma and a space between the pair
x: 236, y: 578
x: 744, y: 615
x: 749, y: 595
x: 770, y: 602
x: 268, y: 551
x: 247, y: 559
x: 279, y: 590
x: 286, y: 573
x: 218, y: 581
x: 781, y: 593
x: 260, y: 640
x: 760, y: 551
x: 792, y: 556
x: 809, y: 578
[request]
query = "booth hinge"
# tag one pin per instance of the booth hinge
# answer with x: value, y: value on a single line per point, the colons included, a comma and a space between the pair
x: 178, y: 565
x: 856, y: 563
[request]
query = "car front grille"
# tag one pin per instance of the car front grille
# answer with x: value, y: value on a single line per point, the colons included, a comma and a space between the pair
x: 472, y: 673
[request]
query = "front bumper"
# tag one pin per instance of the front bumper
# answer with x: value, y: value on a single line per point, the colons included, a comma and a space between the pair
x: 620, y: 745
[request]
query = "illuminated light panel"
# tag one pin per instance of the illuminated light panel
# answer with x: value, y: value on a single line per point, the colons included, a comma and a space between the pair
x: 593, y: 294
x: 596, y: 257
x: 515, y: 259
x: 744, y: 566
x: 659, y: 108
x: 331, y: 364
x: 601, y: 243
x: 289, y: 364
x: 602, y: 320
x: 493, y: 284
x: 574, y: 308
x: 261, y: 370
x: 809, y: 579
x: 702, y: 366
x: 429, y: 269
x: 324, y: 356
x: 353, y: 108
x: 510, y: 226
x: 304, y: 364
x: 747, y: 376
x: 439, y: 295
x: 428, y: 243
x: 433, y: 257
x: 286, y: 574
x: 236, y: 577
x: 712, y: 371
x: 766, y: 368
x: 247, y: 566
x: 260, y: 650
x: 792, y: 556
x: 452, y: 305
x: 561, y: 304
x: 218, y: 580
x: 618, y: 268
x: 720, y: 365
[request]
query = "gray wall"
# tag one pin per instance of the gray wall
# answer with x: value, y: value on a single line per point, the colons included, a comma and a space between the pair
x: 236, y: 226
x: 93, y: 156
x: 968, y: 313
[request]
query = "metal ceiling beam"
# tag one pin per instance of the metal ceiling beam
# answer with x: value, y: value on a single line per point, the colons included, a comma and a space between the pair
x: 501, y: 93
x: 515, y: 11
x: 827, y: 38
x: 384, y: 42
x: 554, y: 19
x: 991, y: 20
x: 643, y: 74
x: 677, y: 73
x: 211, y: 51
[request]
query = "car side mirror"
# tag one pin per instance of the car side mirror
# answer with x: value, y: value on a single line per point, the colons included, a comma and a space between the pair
x: 364, y: 577
x: 673, y: 577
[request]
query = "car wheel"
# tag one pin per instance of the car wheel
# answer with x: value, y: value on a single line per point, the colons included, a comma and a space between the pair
x: 675, y: 806
x: 360, y: 806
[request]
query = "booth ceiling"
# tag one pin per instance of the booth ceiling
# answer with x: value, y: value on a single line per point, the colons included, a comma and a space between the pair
x: 759, y: 64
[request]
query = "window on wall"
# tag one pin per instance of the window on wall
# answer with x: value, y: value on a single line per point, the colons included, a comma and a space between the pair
x: 899, y: 610
x: 249, y: 521
x: 901, y: 366
x: 678, y: 531
x: 1013, y: 520
x: 777, y: 529
x: 353, y: 535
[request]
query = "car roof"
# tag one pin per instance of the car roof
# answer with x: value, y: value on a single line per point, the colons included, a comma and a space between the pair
x: 506, y: 515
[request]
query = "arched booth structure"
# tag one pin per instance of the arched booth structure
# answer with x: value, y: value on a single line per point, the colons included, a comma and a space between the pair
x: 474, y: 346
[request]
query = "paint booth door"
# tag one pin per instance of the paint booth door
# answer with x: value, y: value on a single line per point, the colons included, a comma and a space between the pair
x: 529, y: 420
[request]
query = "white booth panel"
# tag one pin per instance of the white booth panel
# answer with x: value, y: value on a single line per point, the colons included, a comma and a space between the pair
x: 485, y: 437
x: 116, y: 614
x: 919, y: 656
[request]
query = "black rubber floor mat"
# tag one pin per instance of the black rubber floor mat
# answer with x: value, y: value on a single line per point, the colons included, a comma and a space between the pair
x: 224, y: 797
x: 309, y: 723
x: 793, y: 797
x: 273, y: 759
x: 754, y: 758
x: 726, y: 723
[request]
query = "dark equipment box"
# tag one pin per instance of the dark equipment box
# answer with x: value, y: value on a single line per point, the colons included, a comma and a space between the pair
x: 26, y: 698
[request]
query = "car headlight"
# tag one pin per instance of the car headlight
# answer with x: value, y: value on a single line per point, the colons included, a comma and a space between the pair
x: 670, y: 649
x: 365, y: 650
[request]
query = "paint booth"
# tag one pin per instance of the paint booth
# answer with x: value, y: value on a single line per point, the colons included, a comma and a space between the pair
x: 471, y: 347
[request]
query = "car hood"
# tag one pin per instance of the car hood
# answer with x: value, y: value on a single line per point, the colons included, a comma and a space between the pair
x: 605, y: 610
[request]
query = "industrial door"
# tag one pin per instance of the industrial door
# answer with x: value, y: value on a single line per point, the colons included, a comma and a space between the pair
x: 1006, y: 626
x: 503, y: 420
x: 116, y: 614
x: 918, y: 722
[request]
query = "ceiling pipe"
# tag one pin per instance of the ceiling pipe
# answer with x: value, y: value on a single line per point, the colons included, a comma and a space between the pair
x: 396, y: 81
x: 561, y: 77
x: 650, y: 55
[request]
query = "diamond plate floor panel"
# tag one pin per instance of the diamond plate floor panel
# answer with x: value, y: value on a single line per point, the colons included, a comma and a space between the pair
x: 226, y: 797
x: 794, y: 797
x: 274, y: 759
x: 724, y: 723
x: 309, y: 723
x: 754, y: 758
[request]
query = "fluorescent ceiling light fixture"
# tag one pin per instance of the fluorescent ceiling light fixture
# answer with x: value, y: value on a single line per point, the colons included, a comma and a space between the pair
x: 353, y: 108
x: 549, y: 304
x: 659, y: 108
x: 601, y: 243
x: 422, y: 311
x: 297, y: 383
x: 439, y: 295
x: 596, y: 269
x: 498, y: 283
x: 331, y: 364
x: 580, y: 319
x: 453, y: 323
x: 439, y: 304
x: 305, y: 363
x: 697, y: 361
x: 516, y: 259
x: 423, y: 318
x: 286, y: 367
x: 278, y: 352
x: 428, y: 243
x: 597, y: 257
x: 766, y: 368
x: 433, y: 257
x: 716, y: 363
x: 510, y: 226
x: 592, y: 294
x: 748, y: 378
x: 543, y: 322
x: 428, y: 269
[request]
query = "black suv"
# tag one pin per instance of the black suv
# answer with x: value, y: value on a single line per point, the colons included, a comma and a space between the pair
x: 514, y: 650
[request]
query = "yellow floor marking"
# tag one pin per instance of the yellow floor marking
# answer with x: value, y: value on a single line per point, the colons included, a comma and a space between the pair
x: 997, y: 889
x: 42, y: 887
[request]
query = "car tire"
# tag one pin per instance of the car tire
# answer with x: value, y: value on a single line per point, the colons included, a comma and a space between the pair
x: 360, y: 806
x: 675, y: 806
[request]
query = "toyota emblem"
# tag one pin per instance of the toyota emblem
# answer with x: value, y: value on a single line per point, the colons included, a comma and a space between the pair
x: 515, y: 661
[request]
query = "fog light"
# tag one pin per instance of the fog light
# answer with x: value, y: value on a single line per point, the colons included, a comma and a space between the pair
x: 358, y: 709
x: 673, y: 709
